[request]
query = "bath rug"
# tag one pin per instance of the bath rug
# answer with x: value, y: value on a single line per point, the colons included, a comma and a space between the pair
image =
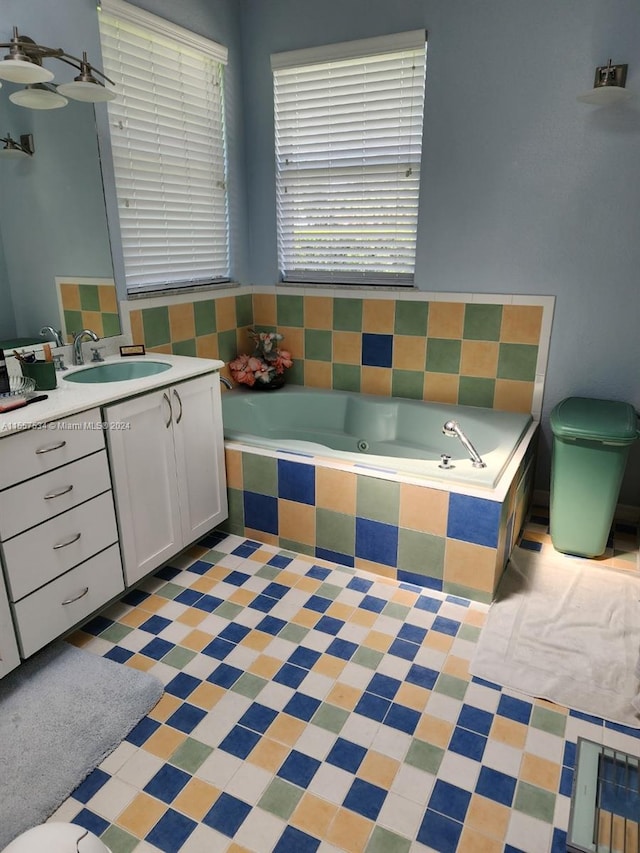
x: 61, y: 713
x: 567, y: 631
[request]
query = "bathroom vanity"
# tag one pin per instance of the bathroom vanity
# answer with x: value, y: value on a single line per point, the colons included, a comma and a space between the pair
x: 99, y: 485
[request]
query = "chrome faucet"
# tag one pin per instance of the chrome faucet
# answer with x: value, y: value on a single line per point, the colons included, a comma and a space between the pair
x: 453, y: 429
x: 226, y: 382
x: 78, y: 357
x: 55, y: 333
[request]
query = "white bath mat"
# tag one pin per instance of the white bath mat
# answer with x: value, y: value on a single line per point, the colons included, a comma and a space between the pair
x: 566, y: 631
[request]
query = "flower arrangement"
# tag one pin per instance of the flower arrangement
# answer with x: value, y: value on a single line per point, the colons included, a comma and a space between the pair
x: 265, y: 367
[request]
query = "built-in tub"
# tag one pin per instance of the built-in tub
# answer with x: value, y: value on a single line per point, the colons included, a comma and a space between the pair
x: 469, y: 510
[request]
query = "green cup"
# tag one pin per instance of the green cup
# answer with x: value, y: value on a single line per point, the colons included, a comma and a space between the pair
x: 44, y: 372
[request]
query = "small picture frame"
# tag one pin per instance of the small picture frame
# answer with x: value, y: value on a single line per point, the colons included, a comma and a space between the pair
x: 133, y: 349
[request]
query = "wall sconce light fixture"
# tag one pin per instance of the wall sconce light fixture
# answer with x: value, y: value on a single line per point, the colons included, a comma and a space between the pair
x: 608, y: 86
x: 23, y: 64
x: 13, y: 149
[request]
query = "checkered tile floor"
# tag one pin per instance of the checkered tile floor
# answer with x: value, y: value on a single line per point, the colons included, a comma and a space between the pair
x: 311, y: 707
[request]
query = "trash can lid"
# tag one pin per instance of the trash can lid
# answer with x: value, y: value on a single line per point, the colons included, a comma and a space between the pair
x: 598, y: 420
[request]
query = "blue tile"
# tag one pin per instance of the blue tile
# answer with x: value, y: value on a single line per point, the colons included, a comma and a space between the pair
x: 199, y: 567
x: 402, y: 718
x: 296, y: 482
x: 329, y: 625
x: 403, y: 649
x: 496, y: 786
x: 257, y: 717
x: 182, y: 685
x: 422, y: 676
x: 261, y: 512
x: 415, y: 582
x: 302, y: 706
x: 474, y: 520
x: 318, y: 573
x: 318, y: 603
x: 359, y: 584
x: 118, y: 654
x: 304, y: 657
x: 167, y: 573
x: 469, y: 744
x: 239, y: 741
x: 157, y: 648
x: 342, y: 649
x: 365, y: 799
x: 188, y: 597
x: 135, y: 597
x: 625, y: 730
x: 530, y: 545
x: 588, y: 718
x: 291, y: 676
x: 208, y: 603
x: 97, y: 625
x: 475, y: 719
x: 234, y: 633
x: 509, y: 848
x: 449, y: 800
x: 167, y: 783
x: 455, y: 599
x: 224, y: 675
x: 373, y: 707
x: 186, y: 718
x: 299, y: 768
x: 227, y: 815
x: 384, y: 685
x: 93, y: 822
x: 236, y: 578
x: 346, y: 755
x: 335, y: 557
x: 91, y: 785
x: 263, y: 603
x: 279, y: 561
x: 142, y: 732
x: 294, y: 840
x: 376, y: 541
x: 247, y: 548
x: 377, y: 350
x: 569, y: 757
x: 566, y: 781
x: 439, y: 832
x: 558, y: 841
x: 373, y: 604
x: 446, y: 626
x: 218, y: 649
x: 514, y: 709
x: 483, y: 683
x: 212, y: 539
x: 276, y: 590
x: 271, y: 625
x: 412, y: 633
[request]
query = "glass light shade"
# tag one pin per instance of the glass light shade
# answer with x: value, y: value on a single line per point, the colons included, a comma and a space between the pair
x: 21, y: 71
x: 12, y: 153
x: 38, y: 98
x: 80, y: 90
x: 603, y: 96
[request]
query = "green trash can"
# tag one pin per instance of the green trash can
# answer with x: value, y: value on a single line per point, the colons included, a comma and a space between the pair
x: 591, y: 442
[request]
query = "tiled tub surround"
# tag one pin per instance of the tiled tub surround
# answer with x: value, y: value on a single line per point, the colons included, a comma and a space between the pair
x: 467, y: 349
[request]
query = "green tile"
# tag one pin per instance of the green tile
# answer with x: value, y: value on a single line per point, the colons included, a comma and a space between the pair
x: 205, y: 316
x: 318, y: 344
x: 116, y: 632
x: 517, y: 361
x: 411, y: 318
x: 335, y: 531
x: 329, y: 590
x: 170, y: 591
x: 249, y: 685
x: 422, y: 553
x: 228, y: 610
x: 396, y: 611
x: 346, y: 377
x: 482, y: 322
x: 268, y: 572
x: 179, y: 657
x: 298, y: 547
x: 384, y: 841
x: 213, y: 556
x: 155, y: 323
x: 235, y: 522
x: 407, y: 383
x: 281, y: 798
x: 290, y: 310
x: 184, y: 347
x: 119, y: 841
x: 73, y: 322
x: 371, y: 658
x: 227, y: 345
x: 111, y: 325
x: 467, y: 592
x: 443, y: 355
x: 347, y: 315
x: 469, y: 632
x: 534, y: 801
x: 244, y: 310
x: 89, y: 297
x: 330, y: 717
x: 474, y: 391
x: 378, y: 500
x: 294, y: 633
x: 542, y: 718
x: 425, y: 756
x: 295, y: 373
x: 451, y: 686
x: 190, y: 755
x: 260, y: 474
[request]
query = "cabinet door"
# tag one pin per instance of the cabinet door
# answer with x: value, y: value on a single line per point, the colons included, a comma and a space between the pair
x: 9, y: 656
x: 144, y: 482
x: 199, y: 446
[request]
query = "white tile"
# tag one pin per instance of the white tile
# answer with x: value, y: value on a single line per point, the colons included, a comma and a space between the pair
x: 203, y: 839
x: 544, y: 744
x: 164, y: 672
x: 500, y: 756
x: 431, y: 658
x: 201, y: 666
x: 140, y: 768
x: 360, y: 730
x: 281, y: 649
x: 212, y: 624
x: 275, y: 695
x: 561, y: 813
x: 401, y: 815
x: 485, y: 698
x: 391, y: 742
x: 444, y: 707
x: 260, y: 831
x: 242, y: 657
x: 582, y: 728
x: 394, y: 667
x: 116, y: 759
x: 67, y: 811
x: 353, y: 633
x: 459, y: 770
x: 175, y: 632
x: 528, y: 833
x: 172, y: 610
x: 331, y: 783
x: 248, y: 783
x: 219, y: 768
x: 112, y: 798
x: 317, y: 685
x: 355, y: 675
x: 135, y: 640
x: 413, y: 784
x: 316, y: 742
x: 621, y: 741
x: 318, y: 641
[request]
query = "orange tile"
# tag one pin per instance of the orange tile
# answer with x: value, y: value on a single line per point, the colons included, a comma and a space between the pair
x: 409, y: 352
x: 508, y: 732
x: 470, y: 565
x: 80, y: 639
x: 475, y: 617
x: 457, y: 666
x: 446, y: 320
x: 340, y: 611
x: 207, y: 347
x: 165, y: 707
x: 378, y: 641
x: 378, y: 316
x: 376, y: 380
x: 261, y: 536
x: 318, y: 312
x: 264, y: 309
x: 237, y: 848
x: 141, y: 815
x: 206, y: 695
x: 192, y: 617
x: 161, y: 348
x: 307, y: 584
x: 182, y: 322
x: 293, y: 340
x: 257, y: 640
x: 441, y: 387
x: 521, y: 324
x: 164, y: 742
x: 487, y: 816
x: 196, y: 798
x: 434, y: 730
x: 329, y: 666
x: 512, y: 395
x: 423, y: 509
x: 108, y: 298
x: 308, y: 618
x: 387, y: 572
x: 436, y: 640
x: 288, y: 578
x: 93, y: 320
x: 152, y: 603
x: 540, y: 771
x: 318, y: 374
x: 363, y: 617
x: 137, y: 329
x: 313, y: 815
x: 268, y: 754
x: 347, y: 347
x: 265, y: 666
x: 479, y: 358
x: 378, y: 769
x: 297, y: 521
x: 336, y: 490
x: 204, y: 584
x: 233, y: 466
x: 403, y: 596
x: 134, y: 618
x: 349, y: 831
x: 412, y: 696
x: 242, y: 596
x: 286, y: 729
x: 472, y: 841
x: 141, y: 662
x: 226, y: 313
x: 70, y: 296
x: 344, y: 695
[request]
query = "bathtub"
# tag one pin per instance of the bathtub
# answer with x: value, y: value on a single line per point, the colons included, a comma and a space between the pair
x: 356, y: 479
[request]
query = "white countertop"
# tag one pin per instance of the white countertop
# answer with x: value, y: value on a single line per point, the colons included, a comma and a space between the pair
x: 72, y: 397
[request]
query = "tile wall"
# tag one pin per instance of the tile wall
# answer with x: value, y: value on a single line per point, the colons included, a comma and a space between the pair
x: 88, y: 303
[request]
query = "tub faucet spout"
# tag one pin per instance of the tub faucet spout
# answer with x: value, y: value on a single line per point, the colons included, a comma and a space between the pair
x: 226, y: 382
x: 453, y: 430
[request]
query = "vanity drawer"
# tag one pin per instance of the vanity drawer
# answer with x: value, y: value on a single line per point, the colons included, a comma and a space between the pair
x: 38, y: 556
x: 34, y: 451
x: 61, y: 604
x: 41, y: 498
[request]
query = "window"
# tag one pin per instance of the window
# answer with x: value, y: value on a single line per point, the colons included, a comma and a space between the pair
x: 348, y: 121
x: 167, y: 139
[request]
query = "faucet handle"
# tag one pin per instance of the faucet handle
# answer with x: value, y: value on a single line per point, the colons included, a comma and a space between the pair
x: 96, y: 354
x: 58, y: 361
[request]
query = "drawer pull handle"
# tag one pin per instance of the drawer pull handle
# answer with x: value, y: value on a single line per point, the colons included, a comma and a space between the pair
x: 177, y: 396
x: 49, y: 447
x: 64, y: 491
x: 73, y: 538
x: 76, y: 597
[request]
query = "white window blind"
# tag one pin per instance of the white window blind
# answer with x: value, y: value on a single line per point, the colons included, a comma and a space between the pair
x: 348, y: 121
x: 167, y: 139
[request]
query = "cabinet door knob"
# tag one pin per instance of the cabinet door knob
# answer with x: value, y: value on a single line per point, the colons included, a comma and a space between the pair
x: 68, y: 541
x: 49, y: 447
x: 76, y: 597
x: 166, y: 397
x: 177, y: 396
x: 58, y: 494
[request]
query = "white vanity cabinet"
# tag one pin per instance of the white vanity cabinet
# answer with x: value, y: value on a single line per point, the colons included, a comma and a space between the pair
x: 9, y: 654
x: 167, y: 464
x: 58, y: 531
